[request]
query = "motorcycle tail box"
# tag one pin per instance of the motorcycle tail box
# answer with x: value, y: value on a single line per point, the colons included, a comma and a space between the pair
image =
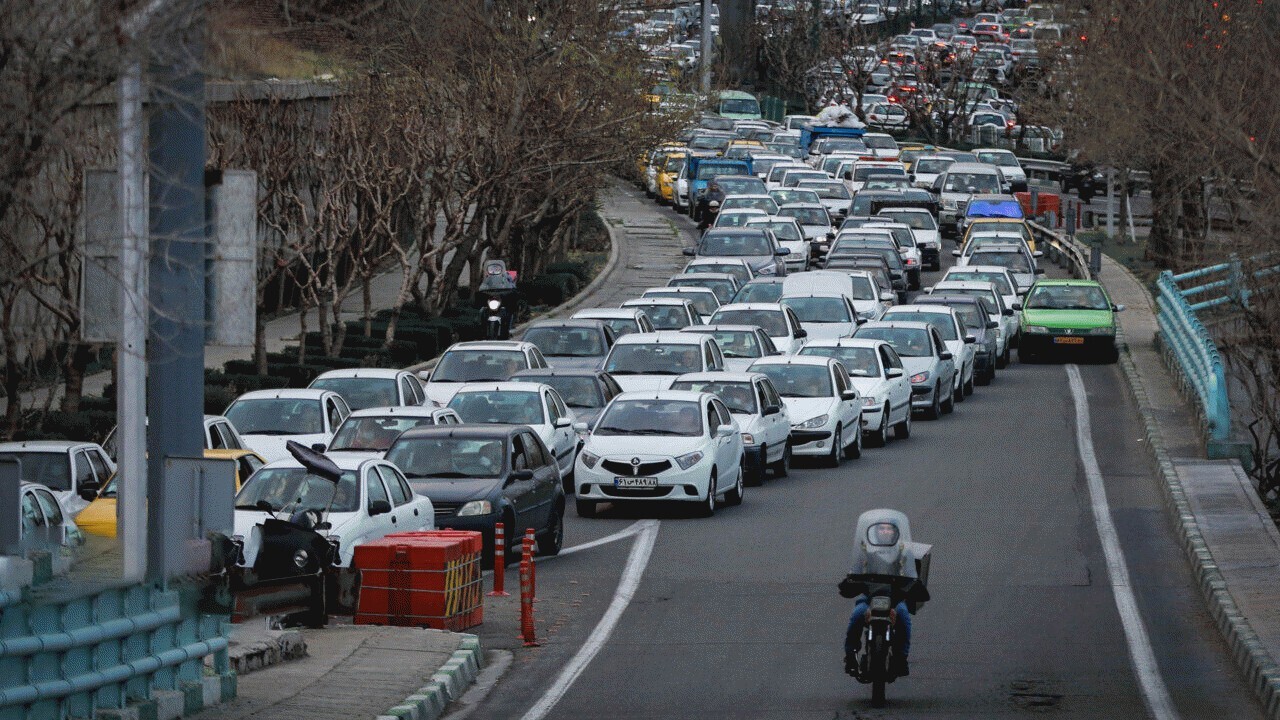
x: 923, y: 554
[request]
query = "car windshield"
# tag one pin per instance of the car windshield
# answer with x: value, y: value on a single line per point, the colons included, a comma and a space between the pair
x: 819, y: 309
x: 667, y: 317
x: 738, y: 202
x: 864, y: 289
x: 830, y: 191
x: 863, y: 173
x: 760, y: 292
x: 744, y: 106
x: 674, y: 164
x: 915, y: 219
x: 374, y: 433
x: 738, y: 343
x: 969, y: 314
x: 984, y: 295
x: 651, y: 417
x: 908, y: 342
x: 731, y: 218
x: 739, y: 397
x: 444, y: 458
x: 931, y: 166
x: 879, y: 142
x: 704, y: 303
x: 741, y: 185
x: 711, y: 172
x: 1067, y: 297
x: 295, y: 489
x: 1001, y: 159
x: 577, y: 391
x: 945, y: 325
x: 477, y: 365
x: 621, y: 326
x: 1015, y: 261
x: 735, y: 245
x: 708, y: 142
x: 50, y: 469
x: 798, y: 381
x: 902, y: 236
x: 567, y: 341
x: 971, y: 183
x: 859, y: 361
x: 361, y: 393
x: 793, y: 195
x: 516, y: 407
x: 276, y: 416
x: 1000, y: 280
x: 654, y: 359
x: 772, y: 322
x: 807, y: 216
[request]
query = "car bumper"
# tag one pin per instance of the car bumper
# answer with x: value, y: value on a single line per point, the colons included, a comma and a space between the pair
x: 930, y: 256
x: 871, y: 418
x: 1064, y: 342
x: 983, y: 362
x: 756, y: 461
x: 921, y: 397
x: 672, y: 484
x: 811, y: 442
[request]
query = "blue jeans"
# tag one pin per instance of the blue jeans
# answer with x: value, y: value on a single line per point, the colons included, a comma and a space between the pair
x: 853, y: 636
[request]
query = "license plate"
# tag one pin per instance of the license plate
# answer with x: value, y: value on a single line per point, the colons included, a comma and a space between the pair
x: 495, y: 318
x: 635, y: 482
x: 1072, y: 340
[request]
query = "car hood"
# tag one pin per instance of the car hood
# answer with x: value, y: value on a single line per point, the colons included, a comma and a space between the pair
x: 815, y: 232
x: 755, y: 261
x: 913, y: 365
x: 441, y: 393
x: 868, y: 308
x: 666, y: 446
x: 868, y: 386
x: 455, y: 491
x: 1081, y: 319
x: 930, y: 238
x: 802, y: 409
x: 641, y: 383
x: 99, y: 518
x: 272, y: 447
x: 925, y: 180
x: 574, y: 362
x: 828, y: 331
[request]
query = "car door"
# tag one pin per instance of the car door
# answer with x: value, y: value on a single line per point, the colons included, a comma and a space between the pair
x: 82, y: 477
x: 946, y: 366
x: 767, y: 347
x: 775, y: 427
x: 405, y: 514
x: 55, y: 521
x: 375, y: 524
x: 423, y: 515
x: 546, y: 478
x: 35, y: 531
x: 900, y: 386
x: 564, y: 440
x: 849, y: 411
x: 103, y: 469
x: 726, y: 454
x: 519, y: 493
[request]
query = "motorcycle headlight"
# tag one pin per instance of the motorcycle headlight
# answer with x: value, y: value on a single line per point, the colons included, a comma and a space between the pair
x: 687, y: 461
x: 748, y: 439
x: 814, y: 423
x: 589, y: 459
x: 1035, y: 329
x: 300, y: 558
x: 494, y: 304
x: 921, y: 377
x: 476, y: 507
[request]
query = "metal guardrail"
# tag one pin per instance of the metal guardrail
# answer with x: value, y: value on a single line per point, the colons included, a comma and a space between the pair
x: 1228, y: 277
x: 1063, y: 251
x: 1188, y: 342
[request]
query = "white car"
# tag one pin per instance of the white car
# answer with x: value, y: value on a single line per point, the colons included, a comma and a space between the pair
x: 822, y: 315
x: 740, y: 345
x: 994, y: 302
x: 815, y: 222
x: 622, y: 320
x: 371, y: 431
x: 883, y: 146
x: 671, y: 445
x: 866, y: 168
x: 1020, y: 263
x: 959, y: 341
x: 927, y: 168
x: 704, y: 300
x: 219, y: 434
x: 888, y: 116
x: 372, y: 499
x: 478, y: 361
x: 833, y: 194
x: 1008, y: 164
x: 824, y: 406
x: 651, y: 361
x: 925, y: 229
x: 759, y: 412
x: 927, y: 360
x: 880, y: 378
x: 73, y: 471
x: 738, y: 268
x: 790, y: 236
x: 373, y: 387
x: 905, y: 239
x: 667, y: 313
x: 999, y: 276
x: 267, y: 419
x: 45, y: 525
x: 738, y: 218
x: 523, y: 403
x: 780, y: 323
x: 763, y: 203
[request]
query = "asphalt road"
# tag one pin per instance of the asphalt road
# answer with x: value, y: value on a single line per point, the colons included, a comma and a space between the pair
x: 737, y: 616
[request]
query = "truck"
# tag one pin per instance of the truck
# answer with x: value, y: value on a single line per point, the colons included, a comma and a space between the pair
x: 702, y: 170
x: 810, y: 134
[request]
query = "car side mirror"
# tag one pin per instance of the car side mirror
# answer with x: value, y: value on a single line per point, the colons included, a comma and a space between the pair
x: 892, y: 373
x: 691, y: 252
x: 379, y: 507
x: 782, y: 251
x: 1017, y: 306
x: 1037, y: 254
x: 1117, y: 308
x: 992, y: 324
x: 520, y: 475
x: 1008, y: 312
x: 581, y: 428
x: 801, y: 333
x: 849, y: 395
x: 726, y: 431
x: 945, y: 355
x: 318, y: 447
x: 887, y: 296
x: 323, y: 525
x: 89, y: 493
x: 858, y: 319
x: 1039, y: 271
x: 955, y: 253
x: 771, y: 410
x: 970, y: 339
x: 911, y: 177
x: 424, y: 375
x: 562, y: 422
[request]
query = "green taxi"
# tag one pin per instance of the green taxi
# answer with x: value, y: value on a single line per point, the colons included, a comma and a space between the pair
x: 1068, y: 316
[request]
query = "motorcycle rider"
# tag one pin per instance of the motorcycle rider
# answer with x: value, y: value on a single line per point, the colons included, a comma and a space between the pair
x: 713, y: 194
x: 709, y: 215
x: 500, y: 289
x: 881, y: 551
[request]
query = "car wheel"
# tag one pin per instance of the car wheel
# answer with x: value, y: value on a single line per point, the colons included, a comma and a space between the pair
x: 708, y: 507
x: 1111, y: 355
x: 567, y: 482
x: 949, y: 404
x: 837, y: 448
x: 880, y: 437
x: 986, y: 376
x: 902, y: 430
x: 782, y: 468
x: 856, y: 445
x: 586, y: 508
x: 552, y: 538
x: 935, y: 409
x: 734, y: 496
x: 757, y: 475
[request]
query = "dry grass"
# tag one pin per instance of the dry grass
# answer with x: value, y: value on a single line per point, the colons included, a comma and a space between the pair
x: 246, y: 42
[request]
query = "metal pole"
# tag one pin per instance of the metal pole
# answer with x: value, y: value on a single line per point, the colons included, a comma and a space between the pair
x: 706, y: 49
x: 131, y: 372
x: 1111, y: 202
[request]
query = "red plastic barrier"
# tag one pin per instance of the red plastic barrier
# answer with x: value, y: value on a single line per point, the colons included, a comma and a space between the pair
x: 427, y: 579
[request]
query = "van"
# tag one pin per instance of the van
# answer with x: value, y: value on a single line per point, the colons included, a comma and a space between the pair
x: 738, y: 105
x: 960, y: 181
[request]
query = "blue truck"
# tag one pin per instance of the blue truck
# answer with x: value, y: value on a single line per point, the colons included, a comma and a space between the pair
x: 702, y: 170
x: 809, y: 134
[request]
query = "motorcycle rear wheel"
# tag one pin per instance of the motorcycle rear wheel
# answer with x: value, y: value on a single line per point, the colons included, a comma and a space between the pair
x: 878, y: 667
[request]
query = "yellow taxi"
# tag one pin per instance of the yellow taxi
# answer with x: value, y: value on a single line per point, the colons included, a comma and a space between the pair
x: 984, y: 225
x: 908, y: 152
x: 656, y: 162
x: 672, y: 162
x: 100, y: 517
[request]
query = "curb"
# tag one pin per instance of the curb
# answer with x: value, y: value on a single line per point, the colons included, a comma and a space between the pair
x: 447, y: 684
x: 272, y: 648
x: 605, y: 272
x: 1260, y: 670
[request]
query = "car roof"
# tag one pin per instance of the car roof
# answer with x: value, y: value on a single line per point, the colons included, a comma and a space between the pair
x: 1070, y: 281
x: 490, y: 345
x: 794, y: 360
x: 695, y: 290
x: 751, y: 306
x: 611, y: 313
x: 383, y: 373
x: 685, y: 395
x: 502, y: 386
x: 721, y: 376
x: 845, y: 342
x: 970, y: 167
x: 566, y: 322
x: 47, y: 446
x: 963, y: 285
x: 478, y: 430
x: 639, y: 302
x: 913, y: 308
x: 557, y: 372
x: 666, y: 337
x: 802, y: 206
x: 344, y: 461
x: 413, y: 411
x: 286, y: 394
x: 719, y: 327
x: 904, y: 324
x: 710, y: 276
x: 949, y: 298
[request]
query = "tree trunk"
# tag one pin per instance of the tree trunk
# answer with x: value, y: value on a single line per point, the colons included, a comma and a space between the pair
x: 73, y: 376
x: 366, y: 297
x: 260, y: 340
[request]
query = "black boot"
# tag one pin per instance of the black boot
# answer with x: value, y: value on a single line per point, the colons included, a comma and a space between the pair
x: 851, y: 664
x: 901, y: 667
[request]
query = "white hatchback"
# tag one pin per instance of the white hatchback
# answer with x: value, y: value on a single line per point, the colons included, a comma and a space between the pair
x: 958, y: 340
x: 652, y: 360
x: 478, y: 361
x: 878, y: 373
x: 825, y: 408
x: 522, y: 403
x: 781, y: 323
x: 760, y: 413
x: 267, y: 419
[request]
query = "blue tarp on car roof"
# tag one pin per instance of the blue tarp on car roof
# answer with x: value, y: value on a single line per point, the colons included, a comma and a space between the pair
x: 994, y: 208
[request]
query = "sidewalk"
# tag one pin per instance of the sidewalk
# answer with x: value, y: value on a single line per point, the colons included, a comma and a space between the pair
x: 1230, y: 540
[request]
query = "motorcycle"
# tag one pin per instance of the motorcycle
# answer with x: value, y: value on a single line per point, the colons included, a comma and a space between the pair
x: 876, y: 662
x: 499, y: 286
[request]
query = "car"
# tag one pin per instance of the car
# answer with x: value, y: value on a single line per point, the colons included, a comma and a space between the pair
x: 651, y: 361
x: 99, y: 518
x: 370, y: 500
x: 905, y: 239
x: 877, y: 244
x: 765, y: 289
x: 987, y: 345
x: 536, y: 405
x: 571, y: 343
x: 927, y: 168
x: 724, y: 285
x: 822, y: 315
x: 957, y: 183
x: 479, y: 475
x: 790, y: 236
x: 1020, y: 263
x: 372, y: 430
x: 878, y: 374
x: 667, y: 313
x: 928, y: 363
x: 994, y: 303
x: 670, y: 445
x: 882, y: 145
x: 888, y: 116
x: 757, y: 247
x: 759, y: 412
x: 478, y: 361
x: 726, y: 219
x: 763, y: 203
x: 268, y: 419
x: 740, y: 345
x: 1068, y: 316
x: 779, y: 323
x: 984, y: 206
x: 372, y: 387
x: 621, y: 320
x: 865, y: 169
x: 784, y: 196
x: 957, y: 338
x: 1005, y: 284
x: 703, y: 299
x: 814, y: 220
x: 1008, y: 164
x: 219, y: 434
x: 586, y: 392
x: 988, y: 239
x: 1003, y: 225
x: 823, y: 405
x: 925, y: 229
x: 833, y: 194
x: 73, y: 471
x: 739, y: 269
x: 45, y: 525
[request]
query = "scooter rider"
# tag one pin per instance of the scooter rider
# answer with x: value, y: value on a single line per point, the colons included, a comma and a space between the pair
x: 500, y: 289
x: 881, y: 549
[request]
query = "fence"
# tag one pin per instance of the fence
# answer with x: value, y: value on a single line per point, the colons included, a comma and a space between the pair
x: 1063, y: 251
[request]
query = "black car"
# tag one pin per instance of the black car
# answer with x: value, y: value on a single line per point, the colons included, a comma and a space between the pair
x: 871, y: 202
x: 886, y: 250
x: 586, y: 392
x: 978, y: 323
x: 571, y: 343
x: 479, y: 475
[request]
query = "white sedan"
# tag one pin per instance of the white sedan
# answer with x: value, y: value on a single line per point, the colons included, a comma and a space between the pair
x: 267, y: 419
x: 878, y: 373
x: 825, y: 408
x: 822, y: 315
x: 927, y: 361
x: 779, y: 322
x: 523, y: 403
x: 958, y: 340
x: 760, y: 413
x: 669, y: 445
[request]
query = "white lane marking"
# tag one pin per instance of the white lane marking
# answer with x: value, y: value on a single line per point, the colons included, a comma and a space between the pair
x: 637, y: 561
x: 626, y: 532
x: 1141, y: 655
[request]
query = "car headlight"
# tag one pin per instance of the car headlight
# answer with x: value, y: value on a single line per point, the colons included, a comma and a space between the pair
x: 589, y: 459
x: 748, y: 439
x: 1102, y: 331
x: 921, y: 377
x: 870, y: 401
x: 476, y: 507
x: 688, y: 461
x: 814, y: 423
x: 300, y: 558
x: 767, y: 270
x: 948, y: 204
x: 1035, y: 329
